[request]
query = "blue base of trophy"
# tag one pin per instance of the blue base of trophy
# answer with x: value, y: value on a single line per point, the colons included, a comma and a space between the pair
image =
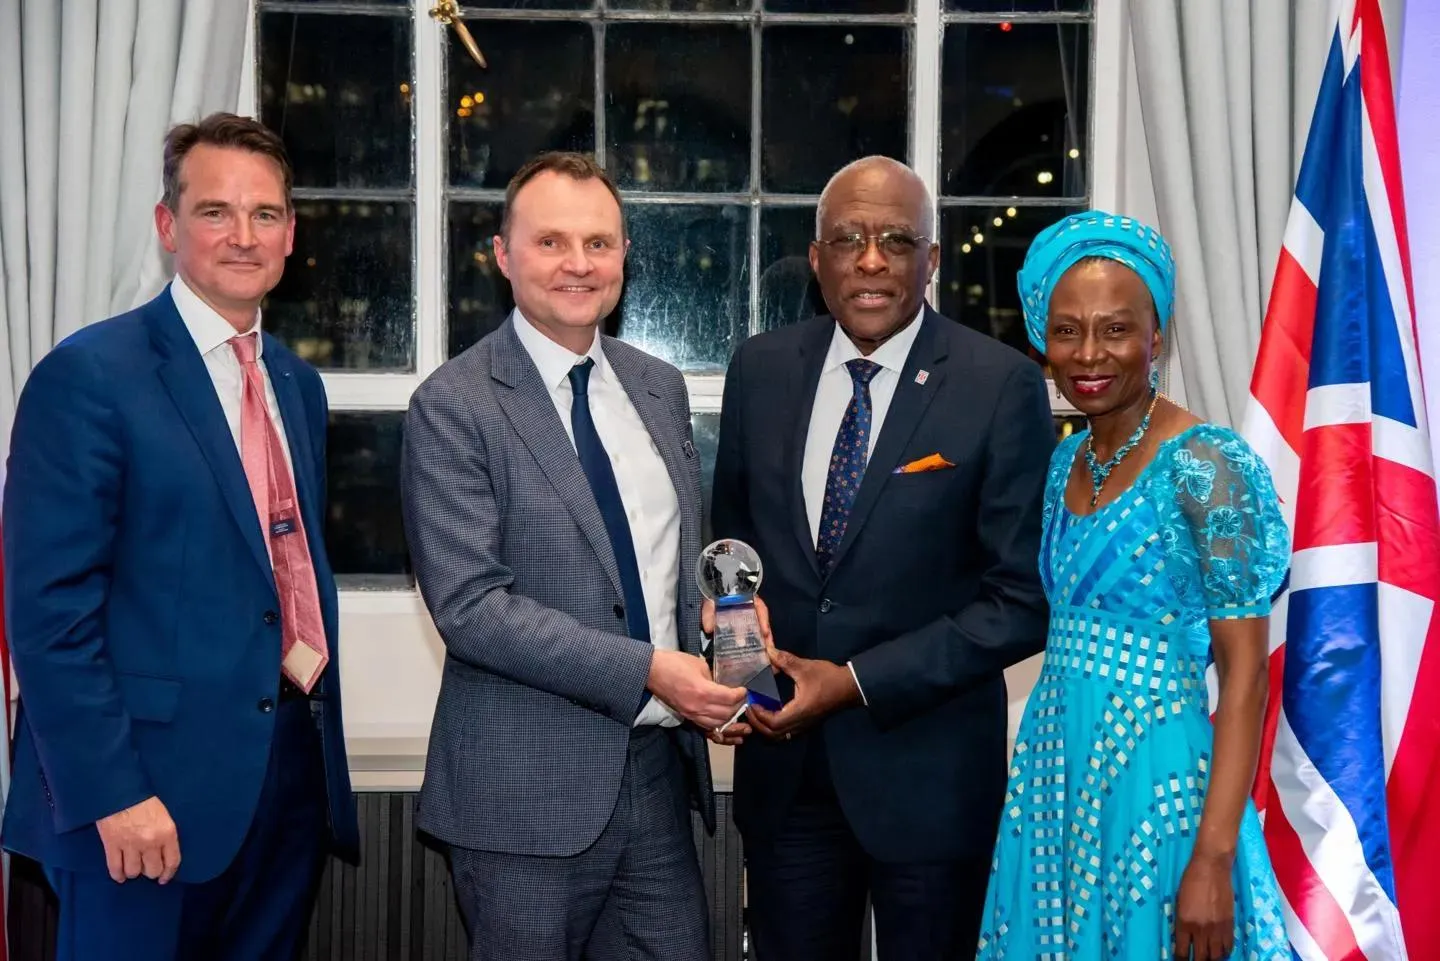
x: 741, y: 660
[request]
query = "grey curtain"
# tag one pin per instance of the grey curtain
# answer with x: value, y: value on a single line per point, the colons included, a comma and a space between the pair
x: 87, y: 91
x: 1225, y: 89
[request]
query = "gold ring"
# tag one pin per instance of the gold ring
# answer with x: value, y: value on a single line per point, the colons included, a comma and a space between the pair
x: 787, y: 737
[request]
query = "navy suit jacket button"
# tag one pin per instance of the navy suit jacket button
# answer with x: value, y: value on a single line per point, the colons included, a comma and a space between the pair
x: 266, y: 705
x: 271, y: 617
x: 825, y: 605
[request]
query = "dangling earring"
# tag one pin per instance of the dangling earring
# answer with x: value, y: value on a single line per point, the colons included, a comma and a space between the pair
x: 1154, y: 379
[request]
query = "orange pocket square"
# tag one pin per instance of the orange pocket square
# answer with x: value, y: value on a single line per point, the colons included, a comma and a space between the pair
x: 932, y: 462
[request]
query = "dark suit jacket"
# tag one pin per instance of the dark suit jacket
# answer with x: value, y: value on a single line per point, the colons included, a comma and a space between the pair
x: 140, y: 601
x: 541, y: 683
x: 933, y: 592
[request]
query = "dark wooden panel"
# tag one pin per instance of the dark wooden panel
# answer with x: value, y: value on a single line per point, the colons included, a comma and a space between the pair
x: 398, y: 906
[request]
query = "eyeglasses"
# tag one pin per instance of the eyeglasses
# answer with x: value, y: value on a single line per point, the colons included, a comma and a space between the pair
x: 892, y: 243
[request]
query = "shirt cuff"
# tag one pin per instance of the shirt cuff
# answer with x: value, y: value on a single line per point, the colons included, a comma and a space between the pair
x: 851, y: 665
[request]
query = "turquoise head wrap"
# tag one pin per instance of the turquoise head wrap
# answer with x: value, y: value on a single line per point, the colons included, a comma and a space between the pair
x: 1094, y: 233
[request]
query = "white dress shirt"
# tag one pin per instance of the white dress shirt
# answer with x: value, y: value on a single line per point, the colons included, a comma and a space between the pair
x: 645, y: 488
x: 212, y: 334
x: 832, y: 397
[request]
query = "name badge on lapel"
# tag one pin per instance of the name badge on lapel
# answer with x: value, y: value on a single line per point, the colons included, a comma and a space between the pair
x: 689, y: 449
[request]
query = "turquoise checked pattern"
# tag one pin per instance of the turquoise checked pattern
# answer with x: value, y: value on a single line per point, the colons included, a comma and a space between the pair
x: 1112, y: 762
x: 847, y: 462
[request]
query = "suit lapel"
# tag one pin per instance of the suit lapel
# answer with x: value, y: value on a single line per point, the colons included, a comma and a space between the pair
x: 911, y: 400
x: 531, y: 411
x: 183, y: 372
x: 646, y: 399
x: 814, y: 346
x: 297, y: 435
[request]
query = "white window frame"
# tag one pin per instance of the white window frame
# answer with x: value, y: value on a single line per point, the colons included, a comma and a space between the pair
x: 391, y: 391
x: 393, y: 656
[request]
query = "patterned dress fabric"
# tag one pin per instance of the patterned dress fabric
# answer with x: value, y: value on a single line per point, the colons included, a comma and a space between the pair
x: 847, y: 462
x: 1112, y: 761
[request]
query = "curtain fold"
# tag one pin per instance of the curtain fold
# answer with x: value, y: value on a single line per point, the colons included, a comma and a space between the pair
x: 87, y: 91
x: 1225, y: 91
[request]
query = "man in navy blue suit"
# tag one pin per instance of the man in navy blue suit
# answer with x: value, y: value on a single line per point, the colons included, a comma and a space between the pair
x: 179, y: 766
x: 888, y: 465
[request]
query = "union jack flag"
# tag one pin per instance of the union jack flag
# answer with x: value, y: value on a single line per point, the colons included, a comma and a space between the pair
x: 1352, y: 751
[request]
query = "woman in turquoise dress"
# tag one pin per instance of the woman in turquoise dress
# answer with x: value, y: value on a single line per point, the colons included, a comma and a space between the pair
x: 1127, y: 830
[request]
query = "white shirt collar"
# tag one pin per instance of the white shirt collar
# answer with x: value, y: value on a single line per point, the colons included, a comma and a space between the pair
x: 552, y: 360
x: 890, y: 355
x: 207, y: 328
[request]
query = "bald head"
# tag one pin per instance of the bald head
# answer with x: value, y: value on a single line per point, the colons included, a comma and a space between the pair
x: 884, y: 177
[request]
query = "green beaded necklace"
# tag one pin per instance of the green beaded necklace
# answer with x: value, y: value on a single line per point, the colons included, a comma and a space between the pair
x: 1100, y: 473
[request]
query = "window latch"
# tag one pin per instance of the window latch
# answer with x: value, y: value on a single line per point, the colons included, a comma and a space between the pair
x: 448, y: 12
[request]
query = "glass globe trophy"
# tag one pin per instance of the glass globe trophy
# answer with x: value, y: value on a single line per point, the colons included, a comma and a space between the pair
x: 729, y: 574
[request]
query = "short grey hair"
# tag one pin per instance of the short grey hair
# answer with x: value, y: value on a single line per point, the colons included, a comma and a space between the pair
x: 927, y: 217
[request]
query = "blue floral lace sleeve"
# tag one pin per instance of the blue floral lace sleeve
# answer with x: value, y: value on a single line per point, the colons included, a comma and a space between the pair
x: 1060, y: 462
x: 1226, y: 516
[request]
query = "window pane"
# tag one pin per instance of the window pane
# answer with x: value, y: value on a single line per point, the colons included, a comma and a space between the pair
x: 682, y: 6
x: 1008, y: 6
x: 364, y: 532
x: 344, y: 301
x: 518, y: 5
x: 1015, y: 109
x: 479, y: 294
x: 337, y: 90
x: 977, y: 286
x: 537, y: 95
x: 838, y: 6
x: 706, y: 428
x: 831, y: 95
x: 687, y: 283
x: 788, y: 291
x: 671, y: 126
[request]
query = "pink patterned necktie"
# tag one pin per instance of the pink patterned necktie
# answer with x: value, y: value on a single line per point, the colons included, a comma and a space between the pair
x: 303, y: 653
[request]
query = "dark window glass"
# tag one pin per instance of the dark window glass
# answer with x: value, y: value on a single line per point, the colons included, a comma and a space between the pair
x: 517, y: 5
x: 364, y: 533
x: 1017, y: 6
x: 788, y: 290
x: 682, y: 6
x: 479, y: 294
x: 831, y: 95
x: 538, y: 94
x: 838, y: 6
x: 337, y: 90
x: 1067, y: 424
x: 344, y: 301
x: 977, y: 277
x: 706, y: 428
x: 1014, y: 109
x: 670, y: 125
x: 687, y: 283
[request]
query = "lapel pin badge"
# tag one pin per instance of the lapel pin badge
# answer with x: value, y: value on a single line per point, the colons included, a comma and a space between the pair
x: 922, y: 376
x: 689, y: 448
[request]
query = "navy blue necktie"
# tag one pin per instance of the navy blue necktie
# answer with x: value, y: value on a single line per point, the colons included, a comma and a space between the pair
x: 847, y: 463
x: 596, y: 463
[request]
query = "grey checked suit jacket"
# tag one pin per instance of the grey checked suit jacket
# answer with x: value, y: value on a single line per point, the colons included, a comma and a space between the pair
x: 541, y: 683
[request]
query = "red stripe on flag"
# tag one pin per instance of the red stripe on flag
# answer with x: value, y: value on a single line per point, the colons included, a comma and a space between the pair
x: 1282, y: 366
x: 1406, y: 525
x: 1335, y: 503
x: 1378, y: 92
x: 1309, y: 898
x: 1413, y: 785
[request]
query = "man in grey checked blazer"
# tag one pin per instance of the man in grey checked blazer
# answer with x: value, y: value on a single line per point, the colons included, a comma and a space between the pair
x: 565, y: 755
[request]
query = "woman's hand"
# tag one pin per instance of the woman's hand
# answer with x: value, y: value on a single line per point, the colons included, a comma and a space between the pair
x: 1205, y: 910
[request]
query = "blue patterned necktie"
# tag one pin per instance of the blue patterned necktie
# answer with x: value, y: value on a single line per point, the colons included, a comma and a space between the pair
x: 847, y: 463
x: 595, y: 461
